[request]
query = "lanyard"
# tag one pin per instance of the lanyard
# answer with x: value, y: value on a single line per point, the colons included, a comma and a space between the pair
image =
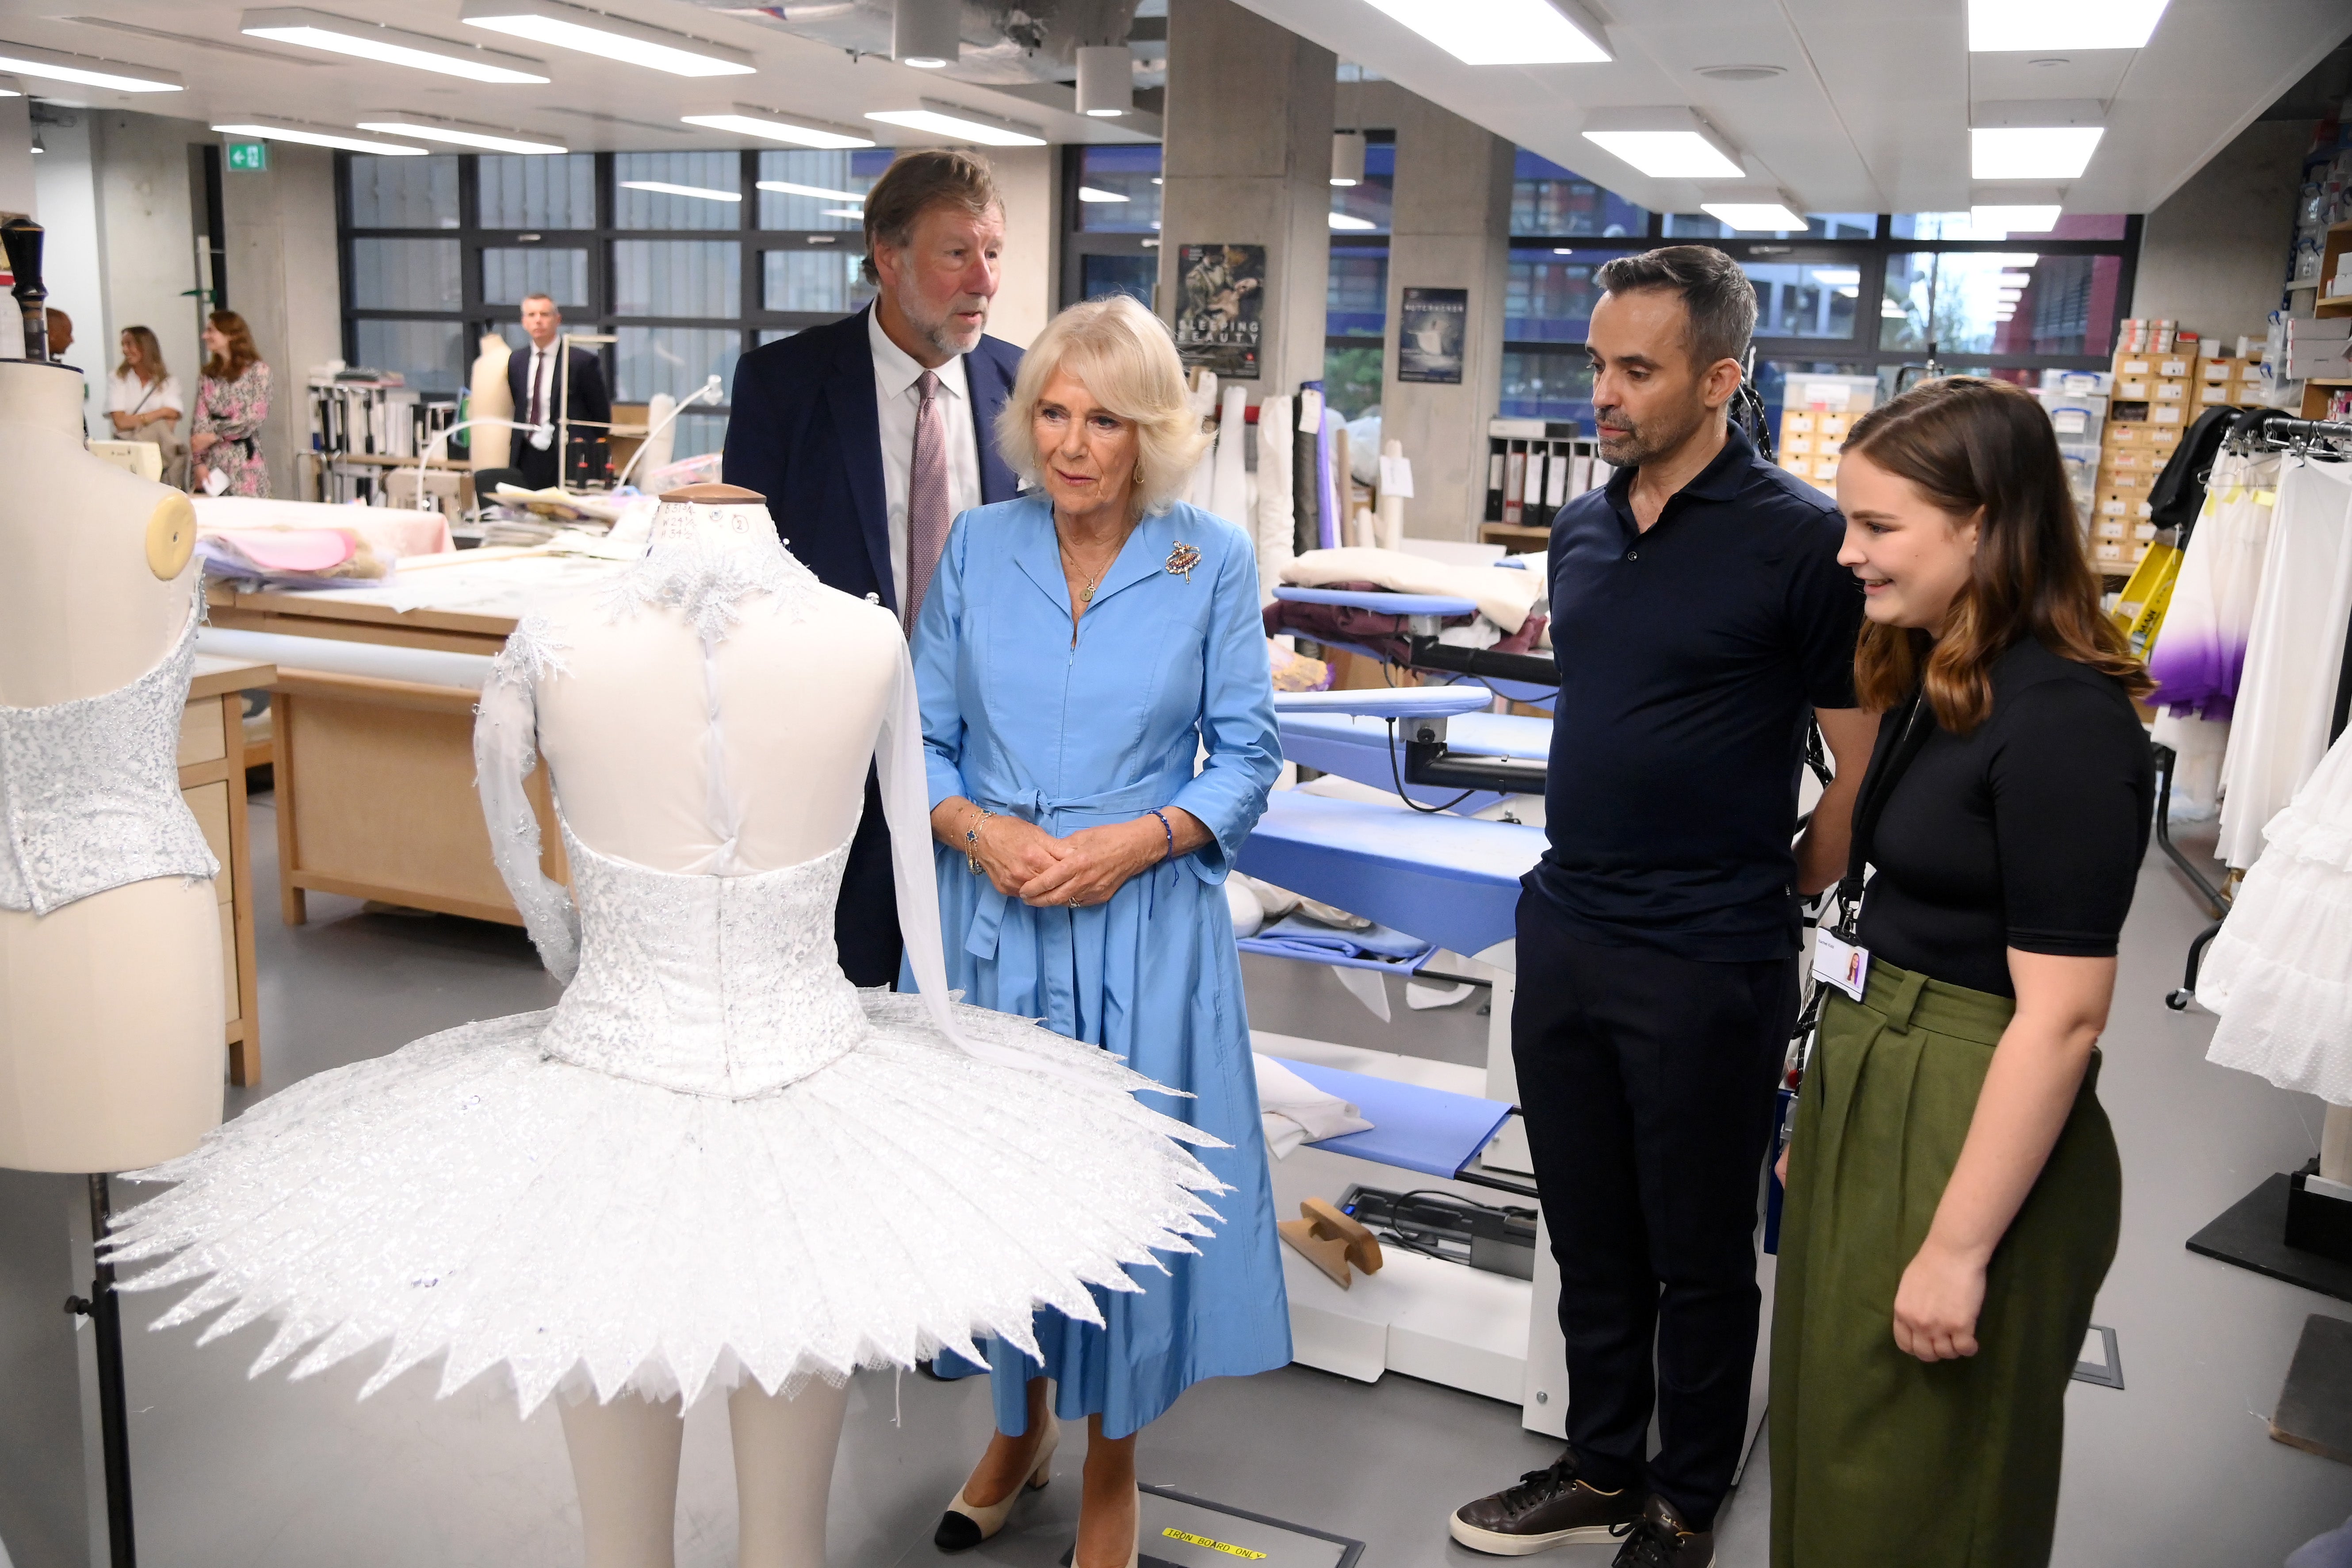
x: 1877, y: 787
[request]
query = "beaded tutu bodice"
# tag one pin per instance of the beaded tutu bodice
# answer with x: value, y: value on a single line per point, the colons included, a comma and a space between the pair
x: 719, y: 985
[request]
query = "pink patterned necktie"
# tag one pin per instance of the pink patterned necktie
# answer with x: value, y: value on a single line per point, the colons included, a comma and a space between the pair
x: 927, y: 498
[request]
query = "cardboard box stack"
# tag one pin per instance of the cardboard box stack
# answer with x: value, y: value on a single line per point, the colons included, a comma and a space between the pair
x: 1814, y: 419
x: 2155, y: 398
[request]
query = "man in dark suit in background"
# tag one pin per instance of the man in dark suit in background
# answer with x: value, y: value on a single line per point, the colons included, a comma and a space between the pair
x: 539, y: 397
x: 869, y: 435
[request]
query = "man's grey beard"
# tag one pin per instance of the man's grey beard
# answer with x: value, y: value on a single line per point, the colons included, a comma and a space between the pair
x: 938, y: 333
x: 1646, y: 440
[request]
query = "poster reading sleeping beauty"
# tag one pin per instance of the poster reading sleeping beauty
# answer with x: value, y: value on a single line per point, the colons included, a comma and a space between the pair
x: 1220, y: 301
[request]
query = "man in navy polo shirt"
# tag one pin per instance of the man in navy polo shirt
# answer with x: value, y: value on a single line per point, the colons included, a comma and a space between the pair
x: 1701, y: 623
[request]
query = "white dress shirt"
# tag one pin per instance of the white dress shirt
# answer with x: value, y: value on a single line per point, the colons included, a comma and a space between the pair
x: 896, y: 399
x: 126, y: 394
x: 542, y: 376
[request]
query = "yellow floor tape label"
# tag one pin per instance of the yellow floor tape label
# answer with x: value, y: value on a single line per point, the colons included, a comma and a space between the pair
x: 1173, y: 1533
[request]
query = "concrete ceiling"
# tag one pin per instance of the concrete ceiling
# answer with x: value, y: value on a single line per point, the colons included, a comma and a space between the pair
x: 1871, y: 109
x: 589, y: 104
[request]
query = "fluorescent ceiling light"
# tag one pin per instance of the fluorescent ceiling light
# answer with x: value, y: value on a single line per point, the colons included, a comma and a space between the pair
x: 842, y: 212
x: 1088, y: 193
x: 1669, y: 144
x: 1749, y: 216
x: 2014, y: 219
x: 1563, y: 250
x: 663, y: 187
x: 1347, y: 221
x: 745, y: 121
x: 965, y: 124
x: 1837, y: 276
x: 2003, y: 24
x: 786, y: 188
x: 86, y: 70
x: 2031, y: 152
x: 309, y: 137
x: 458, y: 135
x: 388, y: 45
x: 1504, y: 32
x: 608, y: 37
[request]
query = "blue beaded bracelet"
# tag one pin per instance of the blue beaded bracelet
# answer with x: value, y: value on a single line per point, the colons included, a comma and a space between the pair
x: 1168, y: 830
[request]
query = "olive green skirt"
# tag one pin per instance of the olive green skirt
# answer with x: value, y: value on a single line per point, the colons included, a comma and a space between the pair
x: 1877, y: 1458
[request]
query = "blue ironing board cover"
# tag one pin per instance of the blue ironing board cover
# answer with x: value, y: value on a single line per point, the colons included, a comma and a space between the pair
x: 1432, y: 1130
x: 1470, y: 734
x: 1452, y: 879
x: 1388, y: 702
x: 1380, y: 601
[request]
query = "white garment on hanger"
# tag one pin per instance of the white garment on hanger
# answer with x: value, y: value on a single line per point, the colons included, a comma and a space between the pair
x: 2295, y: 653
x: 2198, y: 659
x: 2280, y: 972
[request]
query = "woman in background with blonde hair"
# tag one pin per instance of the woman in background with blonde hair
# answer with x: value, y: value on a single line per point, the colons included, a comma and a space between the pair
x: 143, y: 401
x: 1079, y: 646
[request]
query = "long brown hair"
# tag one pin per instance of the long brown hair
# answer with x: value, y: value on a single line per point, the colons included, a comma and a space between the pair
x: 1985, y: 450
x: 241, y: 354
x: 151, y: 356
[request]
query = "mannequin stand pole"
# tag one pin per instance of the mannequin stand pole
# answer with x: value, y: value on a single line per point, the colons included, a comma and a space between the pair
x: 104, y: 1309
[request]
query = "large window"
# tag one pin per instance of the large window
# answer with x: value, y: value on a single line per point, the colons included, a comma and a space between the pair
x: 1850, y: 294
x: 1356, y: 303
x: 1110, y: 225
x: 685, y: 259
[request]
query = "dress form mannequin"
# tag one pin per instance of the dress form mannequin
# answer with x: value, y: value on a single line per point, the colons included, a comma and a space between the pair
x: 110, y: 1007
x: 628, y: 738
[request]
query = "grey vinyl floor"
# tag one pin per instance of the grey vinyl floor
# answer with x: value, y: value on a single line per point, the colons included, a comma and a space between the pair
x: 2176, y: 1469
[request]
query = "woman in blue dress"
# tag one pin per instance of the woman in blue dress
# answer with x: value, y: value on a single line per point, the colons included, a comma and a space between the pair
x: 1079, y: 648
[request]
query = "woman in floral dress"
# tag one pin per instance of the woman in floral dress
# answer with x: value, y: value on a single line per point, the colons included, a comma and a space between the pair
x: 232, y: 400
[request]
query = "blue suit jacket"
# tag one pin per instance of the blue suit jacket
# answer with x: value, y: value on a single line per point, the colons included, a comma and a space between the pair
x: 803, y: 433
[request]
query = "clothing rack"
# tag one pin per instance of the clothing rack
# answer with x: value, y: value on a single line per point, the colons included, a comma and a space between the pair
x: 2330, y: 441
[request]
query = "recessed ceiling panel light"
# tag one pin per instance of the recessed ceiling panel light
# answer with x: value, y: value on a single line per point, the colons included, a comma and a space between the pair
x: 1742, y: 73
x: 963, y: 125
x: 1665, y: 143
x: 787, y: 188
x: 1998, y: 25
x: 746, y: 120
x: 609, y: 38
x: 1563, y: 250
x: 700, y: 193
x: 86, y: 70
x: 842, y: 212
x: 459, y: 135
x: 316, y: 136
x: 2014, y: 219
x: 389, y: 46
x: 1089, y: 193
x: 1352, y: 223
x: 2031, y: 152
x: 1504, y: 32
x: 1754, y: 217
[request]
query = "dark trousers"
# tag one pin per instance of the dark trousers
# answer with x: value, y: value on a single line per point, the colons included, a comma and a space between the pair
x: 865, y: 915
x: 538, y: 467
x: 1648, y: 1081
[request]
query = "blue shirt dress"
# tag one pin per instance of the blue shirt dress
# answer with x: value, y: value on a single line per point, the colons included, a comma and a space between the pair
x: 1020, y: 720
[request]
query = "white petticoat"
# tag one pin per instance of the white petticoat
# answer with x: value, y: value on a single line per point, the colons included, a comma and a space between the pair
x: 2279, y: 969
x: 469, y: 1196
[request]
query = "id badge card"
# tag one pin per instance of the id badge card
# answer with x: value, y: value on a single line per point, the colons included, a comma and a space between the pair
x: 1841, y: 963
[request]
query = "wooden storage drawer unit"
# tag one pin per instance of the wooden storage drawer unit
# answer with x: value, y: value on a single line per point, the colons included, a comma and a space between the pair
x: 211, y: 781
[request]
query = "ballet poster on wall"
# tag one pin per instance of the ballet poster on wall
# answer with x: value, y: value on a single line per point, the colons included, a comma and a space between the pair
x: 1430, y: 334
x: 1221, y: 299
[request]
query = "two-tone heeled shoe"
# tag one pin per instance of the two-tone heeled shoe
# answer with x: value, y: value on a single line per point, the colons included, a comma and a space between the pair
x: 967, y: 1523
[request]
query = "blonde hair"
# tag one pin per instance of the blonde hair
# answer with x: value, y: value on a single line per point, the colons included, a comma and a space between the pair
x: 1129, y: 362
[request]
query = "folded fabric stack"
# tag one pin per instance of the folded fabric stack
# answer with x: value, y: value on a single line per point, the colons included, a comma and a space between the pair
x: 1507, y: 620
x: 1293, y: 1111
x: 1299, y: 936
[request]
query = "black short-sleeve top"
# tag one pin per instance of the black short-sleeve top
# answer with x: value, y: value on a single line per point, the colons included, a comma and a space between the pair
x: 2027, y: 833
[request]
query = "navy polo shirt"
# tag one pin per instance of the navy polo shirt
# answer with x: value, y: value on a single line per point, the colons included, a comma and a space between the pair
x: 1690, y: 660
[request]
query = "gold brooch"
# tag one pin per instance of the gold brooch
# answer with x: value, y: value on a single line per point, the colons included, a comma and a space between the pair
x: 1182, y: 560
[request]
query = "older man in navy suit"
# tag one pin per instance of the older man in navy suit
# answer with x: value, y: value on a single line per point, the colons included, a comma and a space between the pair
x: 868, y: 435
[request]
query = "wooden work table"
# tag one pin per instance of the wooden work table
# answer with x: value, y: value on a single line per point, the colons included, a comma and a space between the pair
x: 211, y: 781
x: 307, y: 614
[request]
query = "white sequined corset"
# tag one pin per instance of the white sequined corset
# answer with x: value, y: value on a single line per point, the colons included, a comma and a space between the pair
x: 89, y: 790
x: 716, y: 985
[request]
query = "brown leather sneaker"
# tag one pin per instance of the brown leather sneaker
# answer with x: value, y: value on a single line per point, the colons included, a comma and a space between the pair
x: 1660, y: 1539
x: 1548, y: 1507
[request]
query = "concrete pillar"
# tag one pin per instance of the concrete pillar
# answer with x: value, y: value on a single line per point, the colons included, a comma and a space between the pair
x: 147, y: 228
x: 285, y: 281
x: 1451, y: 229
x: 1247, y: 161
x: 17, y: 157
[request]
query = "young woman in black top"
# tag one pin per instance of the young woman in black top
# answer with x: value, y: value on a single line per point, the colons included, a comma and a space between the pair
x: 1953, y: 1190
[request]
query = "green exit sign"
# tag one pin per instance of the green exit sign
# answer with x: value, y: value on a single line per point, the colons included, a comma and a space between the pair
x: 249, y: 156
